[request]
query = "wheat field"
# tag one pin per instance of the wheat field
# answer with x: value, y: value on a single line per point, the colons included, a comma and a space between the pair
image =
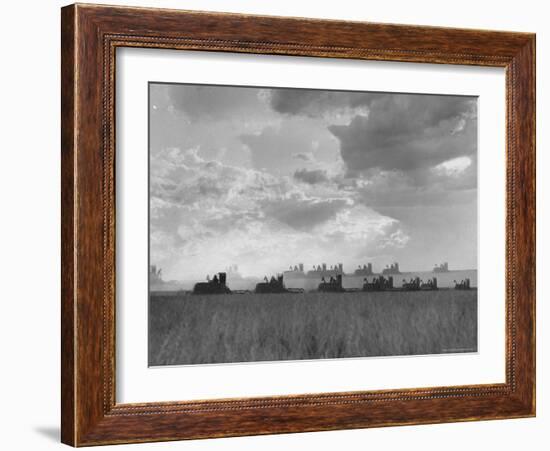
x: 193, y: 329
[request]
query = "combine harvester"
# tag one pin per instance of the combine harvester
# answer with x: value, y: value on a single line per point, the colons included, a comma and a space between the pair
x: 215, y: 286
x: 275, y: 285
x: 462, y: 285
x: 417, y: 284
x: 378, y: 284
x: 391, y: 269
x: 443, y: 267
x: 366, y: 270
x: 334, y: 285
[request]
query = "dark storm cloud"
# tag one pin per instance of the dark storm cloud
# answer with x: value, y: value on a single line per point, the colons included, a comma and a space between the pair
x: 409, y: 132
x: 312, y: 177
x: 303, y: 214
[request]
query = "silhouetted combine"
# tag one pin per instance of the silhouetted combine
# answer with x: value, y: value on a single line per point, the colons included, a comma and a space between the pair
x: 391, y: 269
x: 333, y: 285
x: 462, y: 285
x: 417, y: 284
x: 274, y: 285
x: 443, y: 267
x: 215, y: 286
x: 366, y: 270
x: 431, y: 284
x: 378, y: 284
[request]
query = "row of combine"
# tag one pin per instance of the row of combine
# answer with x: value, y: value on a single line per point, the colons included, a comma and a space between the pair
x: 218, y: 285
x: 380, y: 283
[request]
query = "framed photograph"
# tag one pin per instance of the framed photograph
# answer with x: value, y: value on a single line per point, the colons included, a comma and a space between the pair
x: 278, y: 225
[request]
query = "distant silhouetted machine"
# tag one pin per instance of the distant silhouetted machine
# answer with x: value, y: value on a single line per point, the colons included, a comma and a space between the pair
x: 391, y: 269
x: 317, y: 272
x: 443, y: 267
x: 462, y: 285
x: 418, y: 284
x: 215, y: 286
x: 366, y: 270
x: 275, y: 285
x: 378, y: 284
x: 334, y: 284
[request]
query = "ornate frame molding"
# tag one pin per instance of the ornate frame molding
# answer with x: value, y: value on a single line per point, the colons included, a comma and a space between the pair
x: 90, y: 37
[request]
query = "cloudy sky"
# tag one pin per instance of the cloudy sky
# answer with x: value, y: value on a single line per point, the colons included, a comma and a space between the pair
x: 266, y: 178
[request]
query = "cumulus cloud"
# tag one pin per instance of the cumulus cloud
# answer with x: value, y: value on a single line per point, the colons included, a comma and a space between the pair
x: 454, y: 166
x: 201, y: 208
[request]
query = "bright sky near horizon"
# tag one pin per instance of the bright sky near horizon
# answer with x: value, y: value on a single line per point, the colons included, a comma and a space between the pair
x: 267, y: 178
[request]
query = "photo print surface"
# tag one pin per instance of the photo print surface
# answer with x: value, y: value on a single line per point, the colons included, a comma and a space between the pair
x: 294, y: 224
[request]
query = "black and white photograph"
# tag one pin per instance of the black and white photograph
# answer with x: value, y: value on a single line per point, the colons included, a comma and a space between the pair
x: 236, y: 225
x: 304, y: 224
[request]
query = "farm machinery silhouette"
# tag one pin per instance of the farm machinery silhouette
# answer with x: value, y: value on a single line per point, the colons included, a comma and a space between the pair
x: 331, y: 281
x: 333, y: 285
x: 418, y: 284
x: 275, y: 285
x: 462, y: 285
x: 218, y: 285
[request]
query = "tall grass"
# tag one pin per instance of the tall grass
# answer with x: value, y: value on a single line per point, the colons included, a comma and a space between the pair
x: 191, y: 329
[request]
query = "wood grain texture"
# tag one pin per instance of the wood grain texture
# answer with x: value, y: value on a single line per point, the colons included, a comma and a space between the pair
x: 90, y: 36
x: 68, y: 313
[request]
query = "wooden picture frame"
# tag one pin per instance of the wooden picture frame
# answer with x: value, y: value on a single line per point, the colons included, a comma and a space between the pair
x: 90, y: 413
